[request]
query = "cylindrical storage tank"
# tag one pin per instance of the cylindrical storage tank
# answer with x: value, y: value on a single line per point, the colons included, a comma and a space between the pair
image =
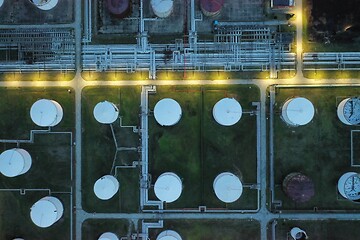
x: 14, y: 162
x: 169, y: 235
x: 46, y: 211
x: 118, y: 8
x: 45, y: 4
x: 168, y: 187
x: 108, y: 236
x: 348, y: 111
x: 211, y: 8
x: 18, y: 239
x: 298, y: 234
x: 227, y: 111
x: 227, y: 187
x: 297, y: 111
x: 46, y: 113
x: 167, y: 112
x: 1, y: 2
x: 162, y: 8
x: 106, y: 187
x: 106, y: 112
x: 298, y: 187
x: 349, y: 186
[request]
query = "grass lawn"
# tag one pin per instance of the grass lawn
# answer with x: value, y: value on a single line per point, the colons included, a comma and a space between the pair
x: 320, y: 149
x: 198, y: 149
x: 17, y: 221
x: 38, y: 76
x: 319, y: 230
x: 92, y: 229
x: 319, y: 74
x: 99, y: 149
x: 16, y: 103
x: 211, y: 229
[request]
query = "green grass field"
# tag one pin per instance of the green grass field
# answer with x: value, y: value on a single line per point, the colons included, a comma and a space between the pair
x: 211, y: 229
x: 92, y: 229
x: 17, y: 221
x: 99, y: 149
x: 198, y: 149
x: 320, y: 149
x: 319, y: 230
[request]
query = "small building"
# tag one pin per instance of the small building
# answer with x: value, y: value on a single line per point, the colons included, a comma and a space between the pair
x: 162, y: 8
x: 106, y: 187
x: 118, y: 8
x: 45, y: 4
x: 227, y: 187
x: 106, y: 112
x: 169, y: 235
x: 167, y: 112
x: 168, y: 187
x: 46, y: 113
x: 280, y: 4
x: 15, y: 162
x: 46, y: 211
x: 297, y: 111
x: 108, y: 236
x: 298, y: 187
x: 227, y: 111
x: 211, y: 8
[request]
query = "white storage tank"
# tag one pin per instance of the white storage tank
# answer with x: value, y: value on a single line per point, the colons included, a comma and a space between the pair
x: 227, y: 187
x: 297, y: 233
x: 349, y: 186
x: 15, y: 162
x: 227, y: 111
x: 108, y: 236
x: 168, y: 187
x: 1, y: 2
x: 167, y: 112
x: 162, y: 8
x: 297, y: 111
x: 45, y: 4
x: 106, y: 187
x: 106, y: 112
x: 169, y: 235
x: 46, y: 211
x: 348, y: 111
x: 46, y: 113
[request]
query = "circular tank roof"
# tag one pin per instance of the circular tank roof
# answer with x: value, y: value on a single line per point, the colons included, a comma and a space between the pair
x: 167, y: 112
x: 106, y: 112
x: 162, y: 8
x: 44, y: 213
x: 351, y: 110
x: 108, y: 236
x: 45, y: 4
x: 118, y: 7
x: 211, y: 5
x: 46, y: 113
x: 228, y: 187
x: 12, y: 162
x: 106, y: 187
x: 168, y: 235
x: 227, y: 111
x: 299, y: 187
x: 168, y: 187
x: 298, y: 111
x: 1, y: 2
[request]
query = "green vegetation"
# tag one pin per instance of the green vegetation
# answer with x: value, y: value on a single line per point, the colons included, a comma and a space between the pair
x: 99, y: 149
x: 320, y: 149
x: 198, y: 149
x: 92, y: 229
x: 17, y: 222
x: 319, y: 74
x: 211, y: 229
x: 319, y: 230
